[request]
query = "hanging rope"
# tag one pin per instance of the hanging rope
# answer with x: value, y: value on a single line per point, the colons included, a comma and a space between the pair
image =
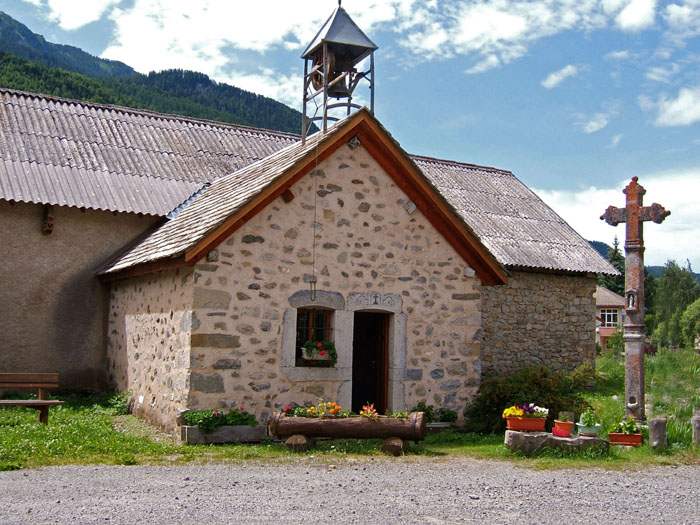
x: 312, y: 282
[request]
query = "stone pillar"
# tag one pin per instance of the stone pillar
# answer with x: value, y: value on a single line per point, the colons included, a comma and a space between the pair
x: 657, y: 433
x: 695, y: 422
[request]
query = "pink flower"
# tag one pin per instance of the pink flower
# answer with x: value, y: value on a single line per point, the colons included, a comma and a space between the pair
x: 288, y: 407
x: 322, y: 352
x: 319, y: 345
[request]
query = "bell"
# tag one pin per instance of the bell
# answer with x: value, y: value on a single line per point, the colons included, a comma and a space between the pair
x: 339, y: 90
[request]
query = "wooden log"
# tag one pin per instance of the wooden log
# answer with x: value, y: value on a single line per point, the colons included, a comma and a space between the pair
x: 657, y: 433
x: 382, y: 427
x: 695, y: 422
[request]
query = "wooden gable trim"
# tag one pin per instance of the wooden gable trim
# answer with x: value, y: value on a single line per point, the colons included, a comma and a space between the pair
x: 435, y: 209
x: 268, y: 195
x: 404, y: 174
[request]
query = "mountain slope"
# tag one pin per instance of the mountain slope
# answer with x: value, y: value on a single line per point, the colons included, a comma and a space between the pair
x: 18, y: 39
x: 30, y: 63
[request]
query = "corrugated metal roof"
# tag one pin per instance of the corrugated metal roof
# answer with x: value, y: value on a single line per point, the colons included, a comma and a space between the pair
x: 513, y: 223
x: 72, y: 153
x: 216, y: 203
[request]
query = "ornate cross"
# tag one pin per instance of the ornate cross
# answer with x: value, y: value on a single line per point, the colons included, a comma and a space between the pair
x: 634, y: 214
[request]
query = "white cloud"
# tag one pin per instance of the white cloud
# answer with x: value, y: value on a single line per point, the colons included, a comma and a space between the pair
x: 680, y: 111
x: 619, y: 55
x: 73, y: 14
x: 675, y: 238
x: 637, y: 15
x: 683, y: 20
x: 557, y: 77
x: 594, y: 123
x: 662, y: 74
x: 615, y: 141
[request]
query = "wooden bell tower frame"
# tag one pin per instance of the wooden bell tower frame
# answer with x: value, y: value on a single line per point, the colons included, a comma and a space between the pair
x: 330, y: 69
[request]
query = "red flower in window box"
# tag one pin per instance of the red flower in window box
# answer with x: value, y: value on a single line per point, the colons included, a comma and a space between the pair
x: 321, y: 348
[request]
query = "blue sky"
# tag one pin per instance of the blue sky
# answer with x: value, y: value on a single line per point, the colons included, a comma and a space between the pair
x: 573, y: 96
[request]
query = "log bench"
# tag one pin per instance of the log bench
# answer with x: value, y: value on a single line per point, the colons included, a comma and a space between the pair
x: 40, y: 382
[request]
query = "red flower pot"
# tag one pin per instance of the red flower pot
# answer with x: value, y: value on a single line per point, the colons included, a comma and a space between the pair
x: 630, y: 440
x: 562, y: 428
x: 526, y: 424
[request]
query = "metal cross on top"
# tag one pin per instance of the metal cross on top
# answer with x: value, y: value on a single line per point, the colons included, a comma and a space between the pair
x: 634, y: 214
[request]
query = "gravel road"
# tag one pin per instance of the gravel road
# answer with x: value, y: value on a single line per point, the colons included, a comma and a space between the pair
x: 382, y: 491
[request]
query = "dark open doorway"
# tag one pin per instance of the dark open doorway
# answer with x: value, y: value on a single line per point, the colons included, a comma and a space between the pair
x: 370, y: 360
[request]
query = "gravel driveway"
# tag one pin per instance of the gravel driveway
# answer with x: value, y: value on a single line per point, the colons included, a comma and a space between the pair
x: 382, y: 491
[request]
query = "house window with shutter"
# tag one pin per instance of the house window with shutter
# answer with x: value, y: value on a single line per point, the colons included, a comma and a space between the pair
x: 314, y: 325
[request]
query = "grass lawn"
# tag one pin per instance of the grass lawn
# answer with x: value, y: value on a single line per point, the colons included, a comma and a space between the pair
x: 91, y: 430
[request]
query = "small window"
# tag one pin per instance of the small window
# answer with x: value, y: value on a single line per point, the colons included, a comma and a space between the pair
x: 609, y: 317
x: 315, y: 325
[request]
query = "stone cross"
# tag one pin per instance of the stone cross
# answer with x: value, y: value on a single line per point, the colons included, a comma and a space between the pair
x: 634, y: 215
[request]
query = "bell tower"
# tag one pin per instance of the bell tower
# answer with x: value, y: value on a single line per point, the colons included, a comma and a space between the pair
x: 330, y: 69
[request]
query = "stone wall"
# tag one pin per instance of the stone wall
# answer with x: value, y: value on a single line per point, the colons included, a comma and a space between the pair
x: 53, y: 309
x: 374, y: 251
x: 539, y: 319
x: 150, y: 321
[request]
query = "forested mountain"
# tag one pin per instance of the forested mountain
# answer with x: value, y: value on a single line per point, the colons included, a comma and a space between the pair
x: 30, y: 63
x: 16, y: 38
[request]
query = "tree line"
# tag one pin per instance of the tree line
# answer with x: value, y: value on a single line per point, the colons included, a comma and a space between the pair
x: 672, y: 301
x: 174, y: 92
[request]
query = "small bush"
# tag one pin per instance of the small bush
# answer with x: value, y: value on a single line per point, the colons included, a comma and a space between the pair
x: 209, y: 420
x: 546, y: 388
x: 445, y: 415
x: 428, y: 410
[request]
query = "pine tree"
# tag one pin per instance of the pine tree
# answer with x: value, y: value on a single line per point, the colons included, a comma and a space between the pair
x: 675, y: 290
x: 615, y: 283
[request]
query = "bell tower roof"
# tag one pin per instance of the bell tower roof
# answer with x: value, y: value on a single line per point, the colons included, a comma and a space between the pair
x: 340, y: 31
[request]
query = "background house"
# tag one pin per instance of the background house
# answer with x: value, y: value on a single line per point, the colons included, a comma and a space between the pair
x: 610, y: 314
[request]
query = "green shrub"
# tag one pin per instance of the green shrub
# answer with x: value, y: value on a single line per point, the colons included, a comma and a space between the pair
x: 428, y: 410
x: 209, y: 420
x: 546, y: 388
x: 445, y: 415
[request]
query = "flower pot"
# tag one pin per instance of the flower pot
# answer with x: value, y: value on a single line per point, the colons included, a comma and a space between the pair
x: 562, y: 428
x: 526, y: 424
x: 630, y: 440
x: 315, y: 356
x: 585, y: 431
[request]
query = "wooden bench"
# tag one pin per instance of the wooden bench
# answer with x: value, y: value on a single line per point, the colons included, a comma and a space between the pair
x: 26, y: 381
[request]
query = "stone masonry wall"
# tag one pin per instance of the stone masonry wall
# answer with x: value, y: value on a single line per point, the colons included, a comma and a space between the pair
x: 150, y: 320
x: 539, y: 319
x: 372, y: 245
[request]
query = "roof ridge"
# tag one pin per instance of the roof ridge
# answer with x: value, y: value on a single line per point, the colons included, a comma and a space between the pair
x: 458, y: 163
x: 148, y: 112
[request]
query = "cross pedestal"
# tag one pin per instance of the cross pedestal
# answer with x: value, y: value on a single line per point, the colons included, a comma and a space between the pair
x: 634, y: 215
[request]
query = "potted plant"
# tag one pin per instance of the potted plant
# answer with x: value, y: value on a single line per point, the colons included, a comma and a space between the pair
x: 588, y: 424
x: 562, y: 426
x: 526, y: 417
x: 626, y: 432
